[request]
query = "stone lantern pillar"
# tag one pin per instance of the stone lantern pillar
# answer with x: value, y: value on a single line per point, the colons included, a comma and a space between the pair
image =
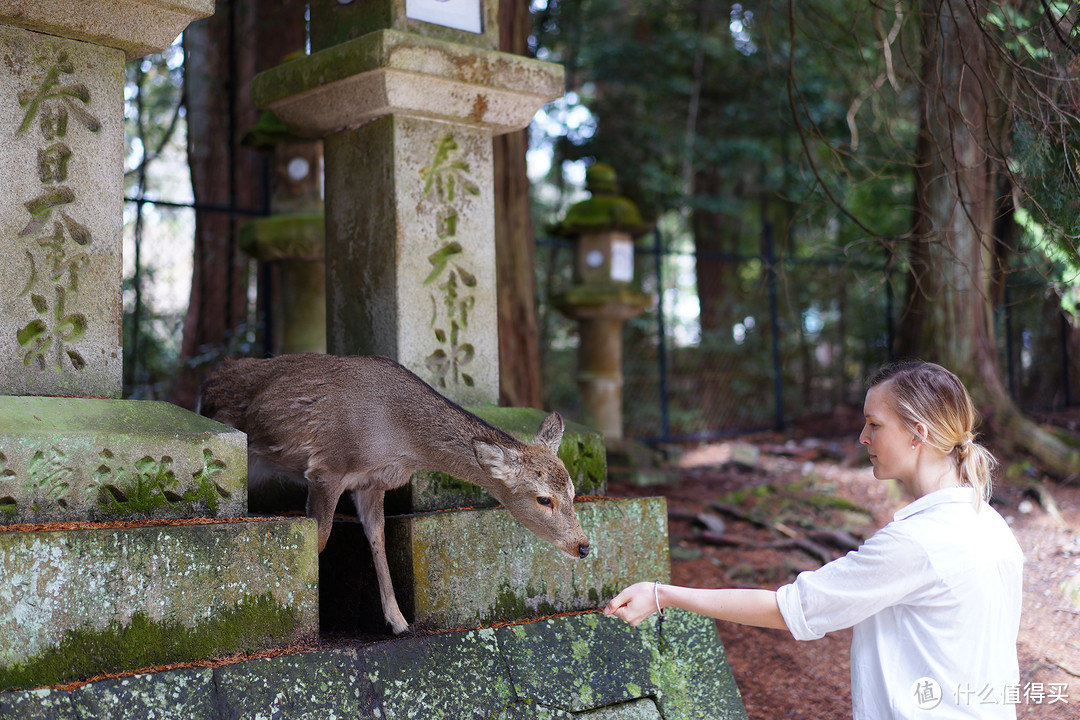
x: 603, y: 295
x: 183, y: 566
x: 407, y: 97
x: 292, y: 238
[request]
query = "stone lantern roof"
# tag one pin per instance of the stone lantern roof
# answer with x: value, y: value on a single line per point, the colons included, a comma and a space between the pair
x: 604, y: 211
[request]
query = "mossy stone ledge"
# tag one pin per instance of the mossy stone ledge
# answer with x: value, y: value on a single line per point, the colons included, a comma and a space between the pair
x: 75, y: 603
x: 583, y: 667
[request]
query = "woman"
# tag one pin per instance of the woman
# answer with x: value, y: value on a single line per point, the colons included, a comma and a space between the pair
x: 934, y: 597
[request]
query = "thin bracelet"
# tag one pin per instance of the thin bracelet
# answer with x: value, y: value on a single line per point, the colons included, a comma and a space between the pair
x: 656, y: 597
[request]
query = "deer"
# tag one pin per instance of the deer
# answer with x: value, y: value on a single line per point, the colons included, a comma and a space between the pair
x: 365, y: 424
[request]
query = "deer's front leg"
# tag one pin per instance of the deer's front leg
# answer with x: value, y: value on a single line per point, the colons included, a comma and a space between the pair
x: 369, y: 506
x: 324, y: 491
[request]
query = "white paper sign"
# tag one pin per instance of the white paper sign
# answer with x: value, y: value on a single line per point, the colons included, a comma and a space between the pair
x: 622, y: 260
x: 459, y: 14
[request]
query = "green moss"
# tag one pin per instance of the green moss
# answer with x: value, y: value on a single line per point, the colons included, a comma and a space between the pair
x: 601, y: 213
x: 151, y: 485
x: 299, y: 236
x: 255, y: 623
x: 511, y: 605
x: 593, y: 294
x: 604, y: 211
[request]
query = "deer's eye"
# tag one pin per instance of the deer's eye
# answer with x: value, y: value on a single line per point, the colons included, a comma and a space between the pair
x: 545, y: 501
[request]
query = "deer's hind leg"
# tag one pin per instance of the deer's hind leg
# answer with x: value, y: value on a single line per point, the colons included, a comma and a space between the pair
x: 369, y: 507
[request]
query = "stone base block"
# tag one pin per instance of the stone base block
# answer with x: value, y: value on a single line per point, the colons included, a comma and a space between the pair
x: 585, y: 667
x: 469, y: 568
x: 74, y: 603
x: 94, y: 459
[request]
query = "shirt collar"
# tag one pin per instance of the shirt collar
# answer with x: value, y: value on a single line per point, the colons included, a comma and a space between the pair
x: 938, y: 497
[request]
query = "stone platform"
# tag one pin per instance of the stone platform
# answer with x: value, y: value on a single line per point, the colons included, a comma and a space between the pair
x: 468, y: 568
x: 586, y: 667
x: 74, y: 603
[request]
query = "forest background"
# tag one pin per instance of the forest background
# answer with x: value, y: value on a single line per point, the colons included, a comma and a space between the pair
x: 832, y: 183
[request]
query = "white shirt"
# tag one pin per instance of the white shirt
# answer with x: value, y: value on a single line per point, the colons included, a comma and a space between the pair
x: 936, y: 595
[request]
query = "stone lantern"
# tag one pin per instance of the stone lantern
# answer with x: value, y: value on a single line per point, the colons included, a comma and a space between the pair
x: 603, y: 295
x: 292, y: 238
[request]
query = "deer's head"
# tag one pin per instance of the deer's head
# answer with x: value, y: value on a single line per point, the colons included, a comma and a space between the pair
x: 532, y: 483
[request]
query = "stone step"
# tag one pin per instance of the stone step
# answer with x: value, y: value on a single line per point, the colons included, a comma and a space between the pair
x: 469, y: 568
x: 79, y: 602
x: 64, y: 459
x: 583, y: 667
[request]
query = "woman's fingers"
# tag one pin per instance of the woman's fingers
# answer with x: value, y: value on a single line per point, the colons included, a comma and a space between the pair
x: 633, y: 604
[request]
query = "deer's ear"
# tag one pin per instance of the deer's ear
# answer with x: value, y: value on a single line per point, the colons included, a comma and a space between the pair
x: 496, y: 459
x: 550, y: 433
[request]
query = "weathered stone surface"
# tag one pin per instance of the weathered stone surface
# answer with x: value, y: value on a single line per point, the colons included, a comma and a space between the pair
x: 389, y: 72
x: 78, y: 602
x: 405, y: 676
x: 410, y: 252
x: 582, y: 452
x: 590, y: 661
x: 476, y: 567
x: 188, y: 695
x: 61, y: 169
x: 295, y: 244
x: 466, y: 568
x: 96, y: 459
x: 138, y: 27
x: 315, y: 686
x: 587, y: 667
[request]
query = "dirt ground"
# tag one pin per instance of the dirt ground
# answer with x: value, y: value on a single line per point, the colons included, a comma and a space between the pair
x: 803, y: 500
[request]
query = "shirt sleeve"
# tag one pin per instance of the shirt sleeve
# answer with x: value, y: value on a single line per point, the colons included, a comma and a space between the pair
x: 886, y: 570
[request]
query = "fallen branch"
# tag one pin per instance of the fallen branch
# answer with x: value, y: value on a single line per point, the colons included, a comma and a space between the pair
x: 739, y: 514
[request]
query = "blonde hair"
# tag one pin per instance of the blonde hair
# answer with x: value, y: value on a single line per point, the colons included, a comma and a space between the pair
x: 928, y: 394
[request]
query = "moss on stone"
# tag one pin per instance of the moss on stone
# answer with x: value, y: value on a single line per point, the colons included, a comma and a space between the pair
x: 405, y: 51
x: 596, y: 294
x: 256, y: 622
x: 300, y: 236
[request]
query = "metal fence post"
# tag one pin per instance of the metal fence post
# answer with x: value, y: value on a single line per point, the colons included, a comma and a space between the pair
x: 661, y: 336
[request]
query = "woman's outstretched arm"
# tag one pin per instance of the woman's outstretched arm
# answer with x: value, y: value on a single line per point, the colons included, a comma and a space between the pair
x: 747, y: 607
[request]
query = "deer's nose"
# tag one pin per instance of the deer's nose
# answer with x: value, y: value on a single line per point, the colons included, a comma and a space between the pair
x: 582, y: 550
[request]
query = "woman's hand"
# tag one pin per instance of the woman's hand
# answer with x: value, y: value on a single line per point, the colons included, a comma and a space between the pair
x: 744, y: 606
x: 633, y: 604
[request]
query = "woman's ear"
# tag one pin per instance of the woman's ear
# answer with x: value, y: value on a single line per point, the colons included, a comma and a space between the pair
x: 921, y: 433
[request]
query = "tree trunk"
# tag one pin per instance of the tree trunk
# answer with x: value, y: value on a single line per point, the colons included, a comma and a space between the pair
x: 222, y: 54
x: 717, y: 238
x: 515, y: 244
x: 950, y: 310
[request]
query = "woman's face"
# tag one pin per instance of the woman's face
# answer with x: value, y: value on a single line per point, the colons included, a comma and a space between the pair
x: 886, y: 437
